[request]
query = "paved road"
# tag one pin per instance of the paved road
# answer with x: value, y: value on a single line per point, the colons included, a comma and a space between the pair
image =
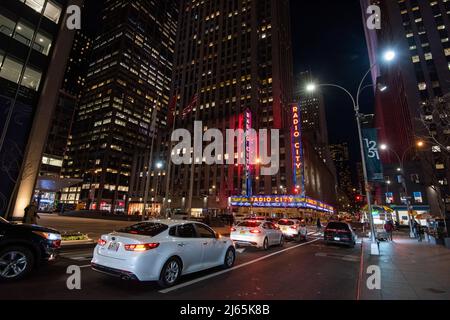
x: 307, y: 271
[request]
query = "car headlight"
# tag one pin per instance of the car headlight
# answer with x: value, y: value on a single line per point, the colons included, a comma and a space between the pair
x: 48, y: 236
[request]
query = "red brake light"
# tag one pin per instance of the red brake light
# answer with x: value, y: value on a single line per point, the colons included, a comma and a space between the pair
x: 101, y: 242
x: 141, y: 247
x: 294, y: 227
x: 255, y: 231
x: 233, y: 229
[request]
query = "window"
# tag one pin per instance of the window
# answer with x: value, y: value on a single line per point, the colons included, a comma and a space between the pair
x: 52, y: 11
x: 11, y: 70
x: 23, y: 33
x: 186, y: 231
x: 31, y: 79
x: 43, y: 43
x: 204, y: 232
x: 145, y: 229
x: 37, y: 5
x: 7, y: 26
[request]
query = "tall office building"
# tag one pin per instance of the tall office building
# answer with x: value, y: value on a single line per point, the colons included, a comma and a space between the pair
x: 419, y: 31
x: 125, y: 101
x: 34, y: 46
x: 235, y: 58
x: 341, y: 157
x: 51, y: 189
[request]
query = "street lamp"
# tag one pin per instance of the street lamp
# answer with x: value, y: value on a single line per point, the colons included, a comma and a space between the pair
x: 388, y: 56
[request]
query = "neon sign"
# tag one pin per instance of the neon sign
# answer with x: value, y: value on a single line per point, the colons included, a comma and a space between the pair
x: 279, y: 201
x: 248, y: 151
x: 297, y: 151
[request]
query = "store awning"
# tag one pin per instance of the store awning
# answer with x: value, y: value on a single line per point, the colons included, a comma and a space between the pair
x: 55, y: 184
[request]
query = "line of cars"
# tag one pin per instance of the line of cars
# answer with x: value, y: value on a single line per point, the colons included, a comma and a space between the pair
x: 158, y: 250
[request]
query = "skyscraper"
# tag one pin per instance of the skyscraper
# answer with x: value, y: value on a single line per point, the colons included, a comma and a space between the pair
x: 235, y: 59
x: 418, y: 31
x: 34, y: 44
x: 124, y: 104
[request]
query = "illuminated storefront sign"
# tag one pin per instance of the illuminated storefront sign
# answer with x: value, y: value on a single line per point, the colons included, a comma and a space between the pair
x: 297, y: 151
x: 280, y: 201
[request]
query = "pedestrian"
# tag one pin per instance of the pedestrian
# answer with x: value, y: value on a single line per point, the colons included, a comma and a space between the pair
x: 319, y: 224
x: 31, y: 214
x: 389, y: 228
x: 414, y: 225
x: 420, y: 231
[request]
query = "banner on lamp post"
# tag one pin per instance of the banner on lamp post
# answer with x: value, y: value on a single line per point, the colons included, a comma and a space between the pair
x: 372, y: 153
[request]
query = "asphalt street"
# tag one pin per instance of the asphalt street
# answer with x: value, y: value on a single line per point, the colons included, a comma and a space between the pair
x: 298, y: 271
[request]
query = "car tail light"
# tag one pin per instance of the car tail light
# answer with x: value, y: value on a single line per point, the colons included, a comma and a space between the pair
x: 233, y: 229
x: 141, y: 247
x: 255, y: 231
x: 101, y: 242
x: 294, y: 227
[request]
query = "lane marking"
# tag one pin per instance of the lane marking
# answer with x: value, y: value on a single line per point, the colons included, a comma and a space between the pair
x: 240, y: 250
x: 189, y: 283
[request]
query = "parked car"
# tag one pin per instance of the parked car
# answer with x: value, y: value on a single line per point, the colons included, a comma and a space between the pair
x: 340, y: 233
x: 24, y: 247
x: 257, y: 233
x: 162, y: 251
x: 293, y: 229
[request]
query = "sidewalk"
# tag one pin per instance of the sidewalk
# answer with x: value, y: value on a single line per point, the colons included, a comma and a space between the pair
x: 410, y: 270
x: 94, y: 228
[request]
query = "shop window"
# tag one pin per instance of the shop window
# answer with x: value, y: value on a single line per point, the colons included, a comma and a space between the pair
x: 7, y: 26
x: 11, y: 70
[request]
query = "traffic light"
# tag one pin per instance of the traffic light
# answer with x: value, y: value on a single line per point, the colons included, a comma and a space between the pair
x: 359, y: 198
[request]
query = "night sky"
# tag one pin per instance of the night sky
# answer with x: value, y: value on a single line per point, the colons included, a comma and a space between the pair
x: 328, y: 39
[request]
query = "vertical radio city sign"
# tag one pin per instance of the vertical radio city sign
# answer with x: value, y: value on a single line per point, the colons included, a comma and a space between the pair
x: 297, y: 150
x: 249, y: 144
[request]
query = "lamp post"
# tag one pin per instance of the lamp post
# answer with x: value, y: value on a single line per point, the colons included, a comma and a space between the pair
x: 401, y: 170
x: 388, y: 57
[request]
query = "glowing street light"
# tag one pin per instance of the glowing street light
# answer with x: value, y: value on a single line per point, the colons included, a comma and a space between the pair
x: 389, y: 55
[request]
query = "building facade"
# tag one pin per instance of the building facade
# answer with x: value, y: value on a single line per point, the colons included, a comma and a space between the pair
x: 233, y: 57
x: 418, y: 31
x: 33, y: 42
x: 124, y: 104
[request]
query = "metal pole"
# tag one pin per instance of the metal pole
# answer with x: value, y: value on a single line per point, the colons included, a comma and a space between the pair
x: 149, y: 168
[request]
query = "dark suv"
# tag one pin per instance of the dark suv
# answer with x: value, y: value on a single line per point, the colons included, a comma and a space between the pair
x: 23, y: 247
x: 340, y: 233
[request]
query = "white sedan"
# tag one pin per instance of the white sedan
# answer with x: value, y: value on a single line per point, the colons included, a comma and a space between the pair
x: 162, y: 250
x: 257, y: 233
x: 293, y: 229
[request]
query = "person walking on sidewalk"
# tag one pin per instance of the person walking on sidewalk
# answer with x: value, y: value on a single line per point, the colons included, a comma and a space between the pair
x: 420, y: 231
x: 319, y: 225
x: 389, y: 228
x: 31, y: 214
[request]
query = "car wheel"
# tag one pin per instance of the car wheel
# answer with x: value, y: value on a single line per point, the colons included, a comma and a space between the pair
x: 170, y: 273
x: 266, y: 244
x: 15, y: 263
x: 230, y: 258
x: 281, y: 241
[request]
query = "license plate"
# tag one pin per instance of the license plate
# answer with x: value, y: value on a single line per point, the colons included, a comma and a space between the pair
x: 337, y: 239
x: 114, y: 246
x: 243, y: 232
x: 284, y: 229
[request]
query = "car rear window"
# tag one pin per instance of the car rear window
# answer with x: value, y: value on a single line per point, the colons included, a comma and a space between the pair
x: 286, y: 223
x: 249, y: 224
x: 145, y: 229
x: 337, y: 226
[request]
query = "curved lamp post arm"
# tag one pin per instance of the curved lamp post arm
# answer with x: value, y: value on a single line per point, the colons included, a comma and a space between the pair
x: 361, y: 84
x: 342, y: 88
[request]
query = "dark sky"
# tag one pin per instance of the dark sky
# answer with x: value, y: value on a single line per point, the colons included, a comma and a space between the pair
x: 328, y: 39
